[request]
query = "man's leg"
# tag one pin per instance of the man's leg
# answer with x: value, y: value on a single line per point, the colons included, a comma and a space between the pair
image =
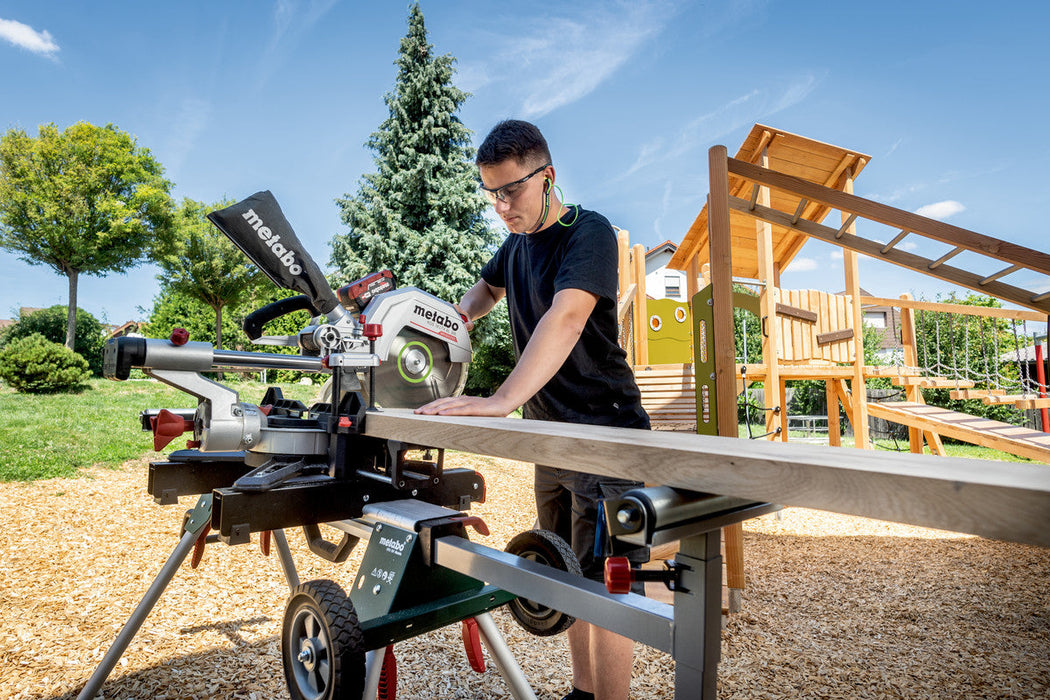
x: 602, y: 661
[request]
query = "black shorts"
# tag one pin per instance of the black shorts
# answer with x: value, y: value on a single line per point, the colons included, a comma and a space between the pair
x: 567, y: 504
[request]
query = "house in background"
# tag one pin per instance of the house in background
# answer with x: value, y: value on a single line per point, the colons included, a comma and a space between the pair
x: 661, y: 282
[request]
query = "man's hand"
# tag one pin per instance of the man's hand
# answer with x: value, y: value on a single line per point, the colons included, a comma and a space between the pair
x: 467, y: 406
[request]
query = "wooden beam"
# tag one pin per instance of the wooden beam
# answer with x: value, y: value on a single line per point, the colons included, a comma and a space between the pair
x: 834, y: 336
x: 795, y: 312
x: 641, y: 315
x: 909, y: 303
x: 626, y: 297
x: 1002, y: 500
x: 918, y: 263
x: 721, y: 251
x: 851, y: 265
x: 884, y: 214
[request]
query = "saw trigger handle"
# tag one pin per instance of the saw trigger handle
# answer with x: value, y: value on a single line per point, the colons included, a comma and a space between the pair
x: 254, y: 322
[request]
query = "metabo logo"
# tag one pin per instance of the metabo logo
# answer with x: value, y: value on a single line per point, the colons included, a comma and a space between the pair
x: 285, y: 256
x: 392, y: 545
x: 437, y: 318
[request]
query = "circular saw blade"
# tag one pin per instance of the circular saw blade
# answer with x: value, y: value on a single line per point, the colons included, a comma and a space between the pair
x: 416, y: 371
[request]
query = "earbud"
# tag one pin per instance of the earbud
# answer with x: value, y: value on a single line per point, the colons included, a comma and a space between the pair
x: 547, y: 184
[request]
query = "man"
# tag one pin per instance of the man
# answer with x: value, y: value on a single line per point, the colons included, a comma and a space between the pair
x: 558, y: 271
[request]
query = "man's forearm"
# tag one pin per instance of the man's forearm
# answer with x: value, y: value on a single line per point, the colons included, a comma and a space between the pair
x: 479, y: 300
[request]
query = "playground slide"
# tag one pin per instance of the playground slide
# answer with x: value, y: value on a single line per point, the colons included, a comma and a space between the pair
x: 1015, y: 439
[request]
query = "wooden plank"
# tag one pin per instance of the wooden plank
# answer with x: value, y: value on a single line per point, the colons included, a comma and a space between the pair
x: 890, y: 216
x: 834, y: 337
x: 965, y: 278
x: 964, y: 394
x: 1016, y: 440
x: 625, y: 302
x: 1015, y: 314
x: 1002, y: 500
x: 1022, y: 401
x: 933, y: 382
x: 722, y: 290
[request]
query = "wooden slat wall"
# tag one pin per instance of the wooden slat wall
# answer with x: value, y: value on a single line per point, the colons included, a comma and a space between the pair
x: 668, y: 392
x: 799, y: 338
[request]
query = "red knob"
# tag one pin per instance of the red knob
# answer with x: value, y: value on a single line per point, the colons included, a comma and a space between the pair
x: 179, y: 336
x: 372, y: 331
x: 166, y: 427
x: 618, y: 575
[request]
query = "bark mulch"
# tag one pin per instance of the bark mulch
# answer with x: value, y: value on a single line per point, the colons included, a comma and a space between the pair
x: 836, y: 606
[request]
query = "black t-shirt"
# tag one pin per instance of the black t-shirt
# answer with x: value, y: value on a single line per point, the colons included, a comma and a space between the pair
x: 595, y: 384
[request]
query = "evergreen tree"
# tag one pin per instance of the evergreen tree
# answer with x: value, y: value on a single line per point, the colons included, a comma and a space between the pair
x: 420, y: 215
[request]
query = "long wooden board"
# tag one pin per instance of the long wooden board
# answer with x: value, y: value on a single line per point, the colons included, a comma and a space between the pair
x: 1001, y: 500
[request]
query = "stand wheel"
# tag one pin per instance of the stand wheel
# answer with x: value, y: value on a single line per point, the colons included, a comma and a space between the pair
x: 322, y: 646
x: 544, y: 547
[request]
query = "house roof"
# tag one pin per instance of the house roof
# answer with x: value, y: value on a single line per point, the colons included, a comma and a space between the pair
x: 660, y: 247
x: 789, y: 153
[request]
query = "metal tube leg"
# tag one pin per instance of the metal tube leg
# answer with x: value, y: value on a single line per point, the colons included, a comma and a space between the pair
x: 504, y: 660
x: 284, y: 552
x: 131, y: 627
x: 698, y: 617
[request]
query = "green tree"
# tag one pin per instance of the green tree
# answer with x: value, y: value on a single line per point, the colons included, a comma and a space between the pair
x: 421, y: 214
x: 205, y: 265
x: 87, y: 200
x: 51, y: 323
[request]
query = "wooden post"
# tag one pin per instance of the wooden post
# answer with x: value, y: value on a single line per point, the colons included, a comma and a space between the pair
x: 692, y: 283
x: 911, y: 359
x: 721, y: 270
x: 767, y: 300
x: 641, y: 315
x: 705, y: 273
x: 860, y: 397
x: 623, y: 247
x: 834, y: 427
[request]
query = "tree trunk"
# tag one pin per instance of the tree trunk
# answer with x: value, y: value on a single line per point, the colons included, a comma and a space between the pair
x: 218, y: 328
x: 71, y: 318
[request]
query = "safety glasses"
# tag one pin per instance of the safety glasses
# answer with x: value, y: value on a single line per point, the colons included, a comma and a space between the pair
x: 511, y: 189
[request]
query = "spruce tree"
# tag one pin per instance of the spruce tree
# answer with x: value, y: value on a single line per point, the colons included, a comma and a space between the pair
x: 420, y: 215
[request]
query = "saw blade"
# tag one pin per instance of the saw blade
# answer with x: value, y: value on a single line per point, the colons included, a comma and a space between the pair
x: 416, y: 371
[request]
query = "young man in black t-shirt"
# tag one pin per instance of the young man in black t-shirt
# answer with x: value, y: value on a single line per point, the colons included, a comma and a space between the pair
x: 558, y: 272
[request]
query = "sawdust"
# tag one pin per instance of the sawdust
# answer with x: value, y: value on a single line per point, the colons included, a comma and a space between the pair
x: 836, y: 607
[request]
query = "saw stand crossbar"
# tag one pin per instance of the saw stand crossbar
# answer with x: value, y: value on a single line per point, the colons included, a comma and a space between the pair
x: 420, y: 573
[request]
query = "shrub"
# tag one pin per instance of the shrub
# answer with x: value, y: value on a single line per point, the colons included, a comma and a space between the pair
x: 51, y: 323
x: 35, y: 365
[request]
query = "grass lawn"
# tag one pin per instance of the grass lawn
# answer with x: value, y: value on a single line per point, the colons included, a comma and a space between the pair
x: 50, y: 435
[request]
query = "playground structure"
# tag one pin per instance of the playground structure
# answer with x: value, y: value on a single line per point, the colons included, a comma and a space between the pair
x: 764, y: 205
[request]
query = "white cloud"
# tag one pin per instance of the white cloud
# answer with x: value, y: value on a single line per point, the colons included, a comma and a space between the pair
x: 940, y: 210
x: 190, y: 120
x: 836, y: 255
x: 566, y: 58
x: 803, y: 265
x: 24, y: 36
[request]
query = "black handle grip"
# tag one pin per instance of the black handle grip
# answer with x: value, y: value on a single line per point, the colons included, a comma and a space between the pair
x: 254, y: 322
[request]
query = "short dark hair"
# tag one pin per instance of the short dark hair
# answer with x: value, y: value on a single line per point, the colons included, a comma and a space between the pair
x: 513, y: 138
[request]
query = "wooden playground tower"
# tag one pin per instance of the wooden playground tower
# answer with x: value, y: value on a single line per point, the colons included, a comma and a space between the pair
x: 764, y: 204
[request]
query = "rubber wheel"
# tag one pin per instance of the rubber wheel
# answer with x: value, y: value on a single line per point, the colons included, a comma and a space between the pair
x: 544, y: 547
x: 322, y: 646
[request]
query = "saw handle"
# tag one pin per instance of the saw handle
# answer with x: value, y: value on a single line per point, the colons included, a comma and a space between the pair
x: 254, y: 322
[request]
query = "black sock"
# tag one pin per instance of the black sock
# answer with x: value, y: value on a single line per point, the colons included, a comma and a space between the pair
x: 578, y: 694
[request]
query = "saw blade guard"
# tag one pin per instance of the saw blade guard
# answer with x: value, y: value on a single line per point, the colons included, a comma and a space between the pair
x: 425, y: 347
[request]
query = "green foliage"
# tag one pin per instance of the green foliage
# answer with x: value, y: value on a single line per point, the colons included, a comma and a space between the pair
x: 493, y: 353
x: 420, y: 214
x: 35, y: 365
x: 85, y: 200
x: 205, y: 266
x: 51, y: 323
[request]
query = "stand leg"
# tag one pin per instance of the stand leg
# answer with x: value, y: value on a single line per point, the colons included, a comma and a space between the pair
x: 373, y: 672
x: 285, y: 554
x: 698, y: 618
x: 200, y: 517
x: 504, y: 660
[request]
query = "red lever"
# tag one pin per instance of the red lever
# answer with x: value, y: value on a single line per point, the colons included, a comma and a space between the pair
x: 166, y: 427
x: 388, y: 676
x: 472, y: 645
x: 179, y: 336
x: 618, y: 575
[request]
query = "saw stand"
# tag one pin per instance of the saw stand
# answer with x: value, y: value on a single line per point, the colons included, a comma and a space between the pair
x: 420, y: 572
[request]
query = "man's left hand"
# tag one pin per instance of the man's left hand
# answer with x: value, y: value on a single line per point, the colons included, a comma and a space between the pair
x: 467, y: 406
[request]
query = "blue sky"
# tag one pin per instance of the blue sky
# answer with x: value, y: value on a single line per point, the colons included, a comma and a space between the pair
x: 949, y: 98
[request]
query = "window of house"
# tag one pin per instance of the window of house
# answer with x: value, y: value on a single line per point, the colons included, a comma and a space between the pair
x: 672, y: 286
x: 876, y: 319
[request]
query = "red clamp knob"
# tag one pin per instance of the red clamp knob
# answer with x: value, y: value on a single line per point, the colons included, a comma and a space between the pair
x: 618, y: 575
x: 372, y: 331
x: 166, y: 427
x: 179, y: 336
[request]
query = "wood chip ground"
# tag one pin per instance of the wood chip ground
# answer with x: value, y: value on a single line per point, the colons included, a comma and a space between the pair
x: 836, y: 606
